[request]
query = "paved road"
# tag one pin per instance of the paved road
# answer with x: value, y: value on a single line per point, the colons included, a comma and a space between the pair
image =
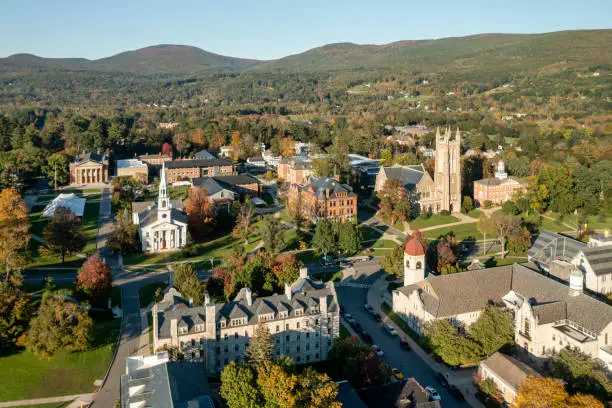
x: 408, y: 362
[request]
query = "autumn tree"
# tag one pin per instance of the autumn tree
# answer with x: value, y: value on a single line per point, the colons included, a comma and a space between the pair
x: 166, y: 149
x: 272, y: 234
x: 493, y: 329
x: 543, y: 392
x: 286, y: 269
x: 124, y: 238
x: 186, y: 281
x: 95, y: 278
x: 64, y: 233
x: 502, y: 225
x: 14, y: 237
x: 351, y: 359
x: 243, y: 226
x: 181, y: 142
x: 200, y: 212
x: 393, y: 262
x: 447, y: 255
x: 287, y: 147
x: 236, y: 143
x: 582, y: 374
x: 391, y: 197
x: 60, y: 325
x: 15, y: 313
x: 174, y: 352
x: 239, y: 387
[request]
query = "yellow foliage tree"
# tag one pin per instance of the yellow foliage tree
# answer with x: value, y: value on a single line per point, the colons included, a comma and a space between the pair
x: 14, y: 236
x: 287, y: 147
x: 542, y: 392
x: 277, y: 385
x: 235, y: 143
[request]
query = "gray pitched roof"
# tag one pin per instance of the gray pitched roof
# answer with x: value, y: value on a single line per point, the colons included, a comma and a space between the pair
x: 204, y: 155
x: 512, y: 371
x: 305, y: 295
x: 410, y: 176
x: 321, y: 185
x: 469, y: 291
x: 90, y: 156
x: 171, y: 384
x: 600, y: 259
x: 182, y: 164
x: 550, y: 246
x: 140, y: 206
x: 150, y: 217
x: 210, y: 184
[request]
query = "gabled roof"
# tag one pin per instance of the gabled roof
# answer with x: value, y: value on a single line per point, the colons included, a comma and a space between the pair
x: 320, y: 187
x: 550, y: 246
x: 90, y: 156
x: 509, y: 369
x: 211, y: 184
x: 204, y: 155
x: 409, y: 176
x: 140, y: 206
x: 600, y: 259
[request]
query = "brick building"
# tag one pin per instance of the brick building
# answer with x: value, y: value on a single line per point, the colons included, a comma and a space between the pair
x: 155, y: 159
x: 89, y: 168
x: 498, y: 189
x: 324, y: 198
x: 188, y: 169
x: 295, y: 170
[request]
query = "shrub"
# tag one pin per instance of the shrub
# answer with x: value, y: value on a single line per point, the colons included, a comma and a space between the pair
x: 445, y: 212
x: 487, y: 204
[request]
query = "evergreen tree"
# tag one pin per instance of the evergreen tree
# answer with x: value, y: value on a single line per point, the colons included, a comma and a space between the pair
x: 324, y: 240
x: 187, y: 283
x: 261, y: 346
x: 272, y: 234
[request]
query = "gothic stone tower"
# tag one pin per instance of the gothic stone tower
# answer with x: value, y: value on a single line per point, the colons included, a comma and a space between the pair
x: 447, y: 177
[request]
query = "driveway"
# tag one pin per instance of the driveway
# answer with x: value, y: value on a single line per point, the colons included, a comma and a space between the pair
x: 408, y: 362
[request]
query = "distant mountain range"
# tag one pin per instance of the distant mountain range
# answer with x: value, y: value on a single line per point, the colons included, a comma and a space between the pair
x: 490, y: 52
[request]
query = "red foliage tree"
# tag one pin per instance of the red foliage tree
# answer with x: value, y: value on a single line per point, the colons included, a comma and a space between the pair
x: 166, y: 149
x: 286, y: 268
x: 95, y: 278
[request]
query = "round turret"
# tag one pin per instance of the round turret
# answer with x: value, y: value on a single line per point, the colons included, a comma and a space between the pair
x: 414, y: 248
x: 576, y: 280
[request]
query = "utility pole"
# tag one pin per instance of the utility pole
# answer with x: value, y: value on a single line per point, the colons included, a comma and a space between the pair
x: 55, y: 176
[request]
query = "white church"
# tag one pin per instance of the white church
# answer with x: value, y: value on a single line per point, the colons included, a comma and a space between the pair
x: 162, y: 226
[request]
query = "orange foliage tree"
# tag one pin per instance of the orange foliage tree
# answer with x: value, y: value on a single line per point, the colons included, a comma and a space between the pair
x: 542, y: 392
x: 200, y: 212
x: 95, y: 278
x: 14, y: 236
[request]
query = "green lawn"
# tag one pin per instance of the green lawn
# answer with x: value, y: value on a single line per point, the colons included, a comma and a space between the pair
x: 368, y: 233
x: 399, y: 225
x: 434, y: 220
x: 25, y: 376
x: 461, y: 231
x: 90, y: 226
x: 554, y: 225
x: 52, y: 405
x: 147, y: 292
x: 475, y: 213
x: 383, y: 243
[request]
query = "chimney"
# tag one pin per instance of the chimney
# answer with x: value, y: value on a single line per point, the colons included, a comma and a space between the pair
x: 576, y: 281
x: 249, y: 296
x: 206, y: 298
x: 190, y: 301
x: 288, y: 292
x: 210, y: 319
x: 304, y: 273
x: 174, y: 331
x: 323, y: 304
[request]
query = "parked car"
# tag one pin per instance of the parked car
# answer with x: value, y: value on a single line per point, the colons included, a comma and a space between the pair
x: 441, y: 379
x: 405, y: 345
x: 389, y: 329
x: 397, y: 373
x: 357, y: 327
x: 377, y: 317
x: 456, y: 394
x: 367, y: 339
x: 378, y: 350
x: 368, y: 308
x: 433, y: 394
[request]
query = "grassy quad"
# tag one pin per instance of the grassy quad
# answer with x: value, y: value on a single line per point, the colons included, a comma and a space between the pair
x: 90, y: 225
x: 25, y: 375
x: 432, y: 221
x: 461, y: 231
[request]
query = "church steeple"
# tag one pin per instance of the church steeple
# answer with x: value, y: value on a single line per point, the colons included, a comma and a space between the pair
x: 163, y: 201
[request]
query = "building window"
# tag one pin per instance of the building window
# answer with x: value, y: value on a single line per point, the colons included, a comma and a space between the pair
x: 236, y: 335
x: 277, y: 328
x: 297, y: 325
x: 192, y: 342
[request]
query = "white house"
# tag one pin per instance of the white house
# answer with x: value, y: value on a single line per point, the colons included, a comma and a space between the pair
x: 161, y: 226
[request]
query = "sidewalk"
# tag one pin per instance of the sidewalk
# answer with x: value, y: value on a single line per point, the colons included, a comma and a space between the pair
x: 50, y: 400
x: 376, y: 295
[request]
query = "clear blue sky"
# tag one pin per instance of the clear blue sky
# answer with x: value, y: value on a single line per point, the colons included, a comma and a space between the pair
x: 268, y: 29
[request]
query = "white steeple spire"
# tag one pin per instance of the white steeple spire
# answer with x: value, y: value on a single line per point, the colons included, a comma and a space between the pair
x: 163, y: 202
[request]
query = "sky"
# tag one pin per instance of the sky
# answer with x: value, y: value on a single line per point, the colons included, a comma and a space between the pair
x: 269, y: 29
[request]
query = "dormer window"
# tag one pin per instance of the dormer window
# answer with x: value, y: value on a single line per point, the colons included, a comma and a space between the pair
x: 182, y: 330
x: 199, y: 327
x: 266, y: 317
x: 223, y: 324
x: 299, y: 312
x: 282, y: 314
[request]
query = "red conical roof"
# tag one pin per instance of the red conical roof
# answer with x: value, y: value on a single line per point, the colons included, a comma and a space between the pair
x: 414, y: 248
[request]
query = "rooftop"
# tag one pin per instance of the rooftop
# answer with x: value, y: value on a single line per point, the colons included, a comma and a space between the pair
x: 509, y: 369
x: 183, y: 164
x: 71, y: 201
x: 122, y: 164
x: 410, y: 176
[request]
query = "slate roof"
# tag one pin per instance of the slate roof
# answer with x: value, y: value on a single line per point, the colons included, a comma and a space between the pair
x: 171, y: 384
x: 469, y: 291
x: 600, y: 259
x: 306, y: 295
x: 150, y: 217
x: 492, y: 181
x: 237, y: 180
x: 401, y: 394
x: 320, y: 185
x: 550, y: 246
x: 90, y: 156
x: 204, y: 155
x: 410, y: 176
x: 510, y: 370
x: 348, y: 397
x: 183, y: 164
x: 211, y: 184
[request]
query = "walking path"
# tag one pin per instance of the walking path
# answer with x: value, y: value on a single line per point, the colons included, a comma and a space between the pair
x: 50, y: 400
x: 462, y: 379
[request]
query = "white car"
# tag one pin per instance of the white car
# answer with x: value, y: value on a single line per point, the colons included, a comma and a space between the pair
x: 433, y: 394
x: 390, y: 330
x: 368, y: 308
x: 378, y: 350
